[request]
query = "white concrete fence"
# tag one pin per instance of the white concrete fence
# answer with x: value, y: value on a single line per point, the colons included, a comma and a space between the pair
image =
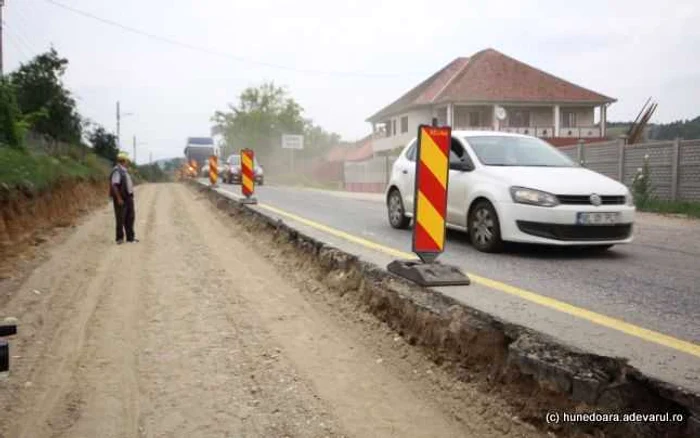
x: 674, y: 166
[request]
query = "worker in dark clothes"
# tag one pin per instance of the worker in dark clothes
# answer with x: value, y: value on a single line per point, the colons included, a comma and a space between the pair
x: 123, y: 196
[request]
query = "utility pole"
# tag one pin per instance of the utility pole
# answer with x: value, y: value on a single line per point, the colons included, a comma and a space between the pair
x: 150, y: 158
x: 134, y: 149
x: 119, y: 145
x: 2, y: 71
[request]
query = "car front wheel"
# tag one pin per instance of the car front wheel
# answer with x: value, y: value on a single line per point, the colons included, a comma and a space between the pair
x: 396, y: 211
x: 484, y: 228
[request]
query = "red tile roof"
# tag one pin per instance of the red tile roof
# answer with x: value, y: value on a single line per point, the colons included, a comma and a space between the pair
x: 360, y: 151
x: 490, y: 76
x: 337, y: 153
x: 425, y: 92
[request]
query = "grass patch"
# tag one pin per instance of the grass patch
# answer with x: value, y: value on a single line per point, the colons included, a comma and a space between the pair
x: 688, y: 208
x: 36, y: 172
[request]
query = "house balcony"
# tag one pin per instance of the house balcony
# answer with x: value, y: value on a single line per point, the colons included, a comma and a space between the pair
x: 580, y: 132
x: 540, y: 131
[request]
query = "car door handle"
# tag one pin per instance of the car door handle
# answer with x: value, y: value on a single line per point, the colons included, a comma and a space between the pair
x: 404, y: 171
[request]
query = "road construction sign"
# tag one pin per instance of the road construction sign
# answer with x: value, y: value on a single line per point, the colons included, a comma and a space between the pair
x: 213, y: 169
x: 430, y: 197
x: 247, y: 172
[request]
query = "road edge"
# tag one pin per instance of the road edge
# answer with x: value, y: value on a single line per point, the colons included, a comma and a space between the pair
x: 546, y: 375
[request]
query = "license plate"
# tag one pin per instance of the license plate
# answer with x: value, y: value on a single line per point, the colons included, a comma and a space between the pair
x: 597, y: 218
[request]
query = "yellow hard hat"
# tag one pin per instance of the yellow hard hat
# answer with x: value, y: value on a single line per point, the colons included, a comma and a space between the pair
x: 122, y: 156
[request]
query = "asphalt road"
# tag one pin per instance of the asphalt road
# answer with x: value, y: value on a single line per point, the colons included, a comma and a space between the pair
x: 653, y: 283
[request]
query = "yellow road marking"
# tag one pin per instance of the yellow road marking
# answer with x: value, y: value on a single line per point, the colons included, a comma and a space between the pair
x: 434, y: 159
x: 431, y: 221
x: 551, y: 303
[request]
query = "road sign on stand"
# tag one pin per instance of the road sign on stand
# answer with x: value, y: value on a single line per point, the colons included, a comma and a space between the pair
x: 248, y: 176
x: 292, y: 142
x: 429, y: 212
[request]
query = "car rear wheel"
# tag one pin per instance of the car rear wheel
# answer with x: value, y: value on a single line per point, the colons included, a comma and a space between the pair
x: 397, y: 215
x: 484, y: 228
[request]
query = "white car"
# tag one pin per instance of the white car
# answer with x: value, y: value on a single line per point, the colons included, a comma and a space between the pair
x: 516, y: 188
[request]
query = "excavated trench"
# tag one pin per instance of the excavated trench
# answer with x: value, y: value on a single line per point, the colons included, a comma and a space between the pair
x: 533, y: 372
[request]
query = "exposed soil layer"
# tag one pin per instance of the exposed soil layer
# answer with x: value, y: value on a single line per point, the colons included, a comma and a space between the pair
x: 26, y: 218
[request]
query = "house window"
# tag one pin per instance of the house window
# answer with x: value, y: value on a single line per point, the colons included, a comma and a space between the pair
x: 474, y: 118
x: 404, y: 124
x: 519, y: 119
x: 568, y: 119
x: 393, y: 127
x: 442, y: 116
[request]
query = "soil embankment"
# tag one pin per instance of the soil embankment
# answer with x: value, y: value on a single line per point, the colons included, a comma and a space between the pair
x: 27, y: 219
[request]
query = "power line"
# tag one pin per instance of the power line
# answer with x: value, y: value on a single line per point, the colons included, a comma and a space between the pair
x: 20, y: 38
x: 17, y: 43
x: 217, y: 53
x: 24, y: 22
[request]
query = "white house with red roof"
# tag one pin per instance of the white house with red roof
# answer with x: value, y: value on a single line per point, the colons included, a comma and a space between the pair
x: 469, y: 93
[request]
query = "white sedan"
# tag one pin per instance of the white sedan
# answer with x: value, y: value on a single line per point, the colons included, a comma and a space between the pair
x: 515, y: 188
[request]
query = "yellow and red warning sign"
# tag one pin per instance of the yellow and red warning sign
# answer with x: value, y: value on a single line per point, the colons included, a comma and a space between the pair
x: 247, y: 172
x: 430, y: 206
x: 213, y: 169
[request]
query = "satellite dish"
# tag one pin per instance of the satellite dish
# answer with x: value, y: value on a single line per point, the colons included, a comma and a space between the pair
x: 501, y: 113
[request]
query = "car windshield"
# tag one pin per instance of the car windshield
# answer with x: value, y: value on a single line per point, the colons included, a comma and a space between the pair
x: 495, y: 150
x: 235, y: 160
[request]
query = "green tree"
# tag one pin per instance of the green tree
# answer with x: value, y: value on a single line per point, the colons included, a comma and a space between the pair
x: 688, y: 129
x: 10, y: 120
x: 104, y: 143
x: 40, y: 93
x: 318, y: 141
x: 259, y: 119
x: 152, y: 173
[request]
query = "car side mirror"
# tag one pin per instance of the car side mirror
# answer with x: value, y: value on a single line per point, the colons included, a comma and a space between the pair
x: 462, y: 166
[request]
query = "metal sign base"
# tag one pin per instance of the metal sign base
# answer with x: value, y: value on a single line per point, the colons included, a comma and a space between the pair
x: 429, y: 274
x: 251, y: 200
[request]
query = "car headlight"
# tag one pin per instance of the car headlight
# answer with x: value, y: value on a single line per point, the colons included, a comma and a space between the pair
x: 523, y: 195
x: 629, y: 199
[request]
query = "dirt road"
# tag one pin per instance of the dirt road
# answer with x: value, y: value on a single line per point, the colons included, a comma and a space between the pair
x: 194, y: 333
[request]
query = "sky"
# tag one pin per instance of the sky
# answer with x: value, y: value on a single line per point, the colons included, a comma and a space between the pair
x: 343, y: 61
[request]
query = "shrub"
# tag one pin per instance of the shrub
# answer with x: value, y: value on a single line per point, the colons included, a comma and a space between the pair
x: 642, y: 186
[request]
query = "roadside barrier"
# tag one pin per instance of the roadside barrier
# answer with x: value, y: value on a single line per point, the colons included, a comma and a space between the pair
x: 248, y: 175
x: 429, y: 211
x: 213, y: 169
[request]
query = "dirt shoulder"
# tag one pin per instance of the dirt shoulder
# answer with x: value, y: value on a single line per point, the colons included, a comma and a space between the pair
x: 195, y: 331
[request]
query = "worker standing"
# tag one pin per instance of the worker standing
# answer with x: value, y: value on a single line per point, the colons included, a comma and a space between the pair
x: 122, y: 191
